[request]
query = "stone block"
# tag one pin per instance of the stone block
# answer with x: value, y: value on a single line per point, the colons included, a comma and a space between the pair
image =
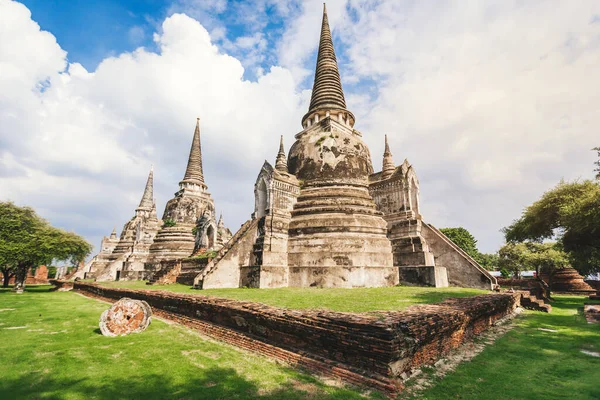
x: 124, y: 317
x: 424, y: 275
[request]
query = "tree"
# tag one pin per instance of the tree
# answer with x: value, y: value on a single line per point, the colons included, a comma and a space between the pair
x: 597, y: 163
x: 8, y: 271
x: 569, y: 213
x: 513, y: 257
x: 467, y: 242
x: 518, y: 257
x: 26, y: 241
x: 463, y: 239
x: 488, y: 260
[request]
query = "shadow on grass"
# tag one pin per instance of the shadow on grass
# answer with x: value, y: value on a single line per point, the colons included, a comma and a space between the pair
x: 28, y: 288
x: 213, y: 383
x: 437, y: 295
x: 540, y: 358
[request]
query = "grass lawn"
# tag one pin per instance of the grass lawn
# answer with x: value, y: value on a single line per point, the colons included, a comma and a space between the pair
x: 529, y: 363
x: 51, y: 348
x: 348, y: 300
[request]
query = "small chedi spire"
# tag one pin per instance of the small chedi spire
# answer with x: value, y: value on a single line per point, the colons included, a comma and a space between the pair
x: 193, y: 172
x: 388, y: 163
x: 281, y: 161
x: 221, y: 223
x: 327, y: 94
x: 148, y: 197
x: 113, y: 234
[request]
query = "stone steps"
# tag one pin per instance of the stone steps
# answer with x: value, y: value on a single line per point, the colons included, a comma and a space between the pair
x: 531, y: 302
x: 160, y: 274
x: 222, y: 252
x: 187, y: 278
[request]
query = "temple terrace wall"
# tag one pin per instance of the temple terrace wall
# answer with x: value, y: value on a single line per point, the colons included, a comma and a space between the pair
x: 371, y: 349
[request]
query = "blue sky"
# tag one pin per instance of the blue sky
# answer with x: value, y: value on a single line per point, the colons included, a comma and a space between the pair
x: 492, y: 102
x: 92, y: 30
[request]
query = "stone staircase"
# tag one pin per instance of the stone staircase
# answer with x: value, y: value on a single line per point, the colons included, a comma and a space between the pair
x: 474, y: 265
x: 531, y: 302
x: 190, y: 269
x: 167, y: 274
x: 199, y: 279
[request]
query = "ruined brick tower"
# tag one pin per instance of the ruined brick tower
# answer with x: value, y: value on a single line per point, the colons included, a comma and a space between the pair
x: 337, y: 237
x: 124, y: 258
x: 176, y: 238
x: 324, y: 218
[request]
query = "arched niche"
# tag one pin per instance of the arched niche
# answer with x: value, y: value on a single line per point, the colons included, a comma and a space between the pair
x: 211, y: 237
x: 261, y: 199
x: 262, y: 190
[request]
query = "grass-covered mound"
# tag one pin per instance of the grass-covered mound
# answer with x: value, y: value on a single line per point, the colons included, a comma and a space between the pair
x: 347, y: 300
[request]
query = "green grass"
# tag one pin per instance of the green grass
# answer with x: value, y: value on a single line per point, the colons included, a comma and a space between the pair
x: 347, y: 300
x: 531, y: 364
x: 51, y: 348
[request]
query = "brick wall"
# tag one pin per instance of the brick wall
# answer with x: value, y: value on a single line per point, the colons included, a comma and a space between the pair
x: 371, y: 349
x: 594, y: 284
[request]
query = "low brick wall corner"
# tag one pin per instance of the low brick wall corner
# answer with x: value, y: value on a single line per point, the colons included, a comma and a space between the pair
x: 369, y: 349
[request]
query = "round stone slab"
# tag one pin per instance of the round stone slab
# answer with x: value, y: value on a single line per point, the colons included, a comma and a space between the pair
x: 124, y: 317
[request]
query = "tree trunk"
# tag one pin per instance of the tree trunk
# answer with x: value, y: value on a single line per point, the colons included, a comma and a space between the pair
x: 20, y: 278
x: 7, y: 275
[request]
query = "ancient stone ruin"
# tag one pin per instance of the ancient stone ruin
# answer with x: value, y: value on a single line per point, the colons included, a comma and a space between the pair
x: 125, y: 316
x: 123, y: 258
x: 592, y: 313
x: 567, y: 280
x: 147, y: 244
x: 322, y: 217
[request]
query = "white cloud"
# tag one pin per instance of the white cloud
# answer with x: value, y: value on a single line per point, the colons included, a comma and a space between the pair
x: 492, y: 102
x: 498, y: 99
x: 79, y: 149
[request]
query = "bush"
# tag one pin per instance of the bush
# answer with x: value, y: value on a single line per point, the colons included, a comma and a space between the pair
x: 206, y: 254
x: 168, y: 223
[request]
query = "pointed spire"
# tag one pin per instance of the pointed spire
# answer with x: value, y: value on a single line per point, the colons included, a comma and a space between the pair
x: 148, y: 197
x: 221, y: 223
x: 388, y: 163
x: 327, y: 93
x: 113, y: 234
x: 281, y: 161
x: 153, y: 211
x: 193, y: 172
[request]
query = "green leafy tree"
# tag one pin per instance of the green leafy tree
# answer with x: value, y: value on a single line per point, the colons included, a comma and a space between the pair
x: 467, y: 242
x: 513, y: 257
x: 518, y: 257
x: 463, y: 239
x: 569, y: 213
x: 597, y: 163
x: 26, y: 241
x: 488, y: 261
